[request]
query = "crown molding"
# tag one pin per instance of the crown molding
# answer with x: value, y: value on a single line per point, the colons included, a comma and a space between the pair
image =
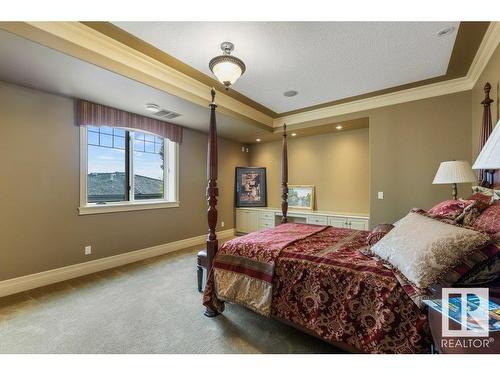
x: 85, y: 43
x: 483, y: 55
x: 417, y: 93
x: 490, y: 42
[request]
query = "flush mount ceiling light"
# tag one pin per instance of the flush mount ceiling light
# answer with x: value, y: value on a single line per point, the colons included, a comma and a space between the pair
x: 258, y: 139
x: 225, y: 67
x: 290, y: 93
x: 338, y: 127
x: 294, y: 134
x: 446, y: 31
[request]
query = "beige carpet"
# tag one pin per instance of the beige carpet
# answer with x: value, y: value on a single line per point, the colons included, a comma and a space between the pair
x: 151, y: 306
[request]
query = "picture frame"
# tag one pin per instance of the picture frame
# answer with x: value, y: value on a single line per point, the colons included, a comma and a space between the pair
x: 301, y: 197
x: 250, y: 187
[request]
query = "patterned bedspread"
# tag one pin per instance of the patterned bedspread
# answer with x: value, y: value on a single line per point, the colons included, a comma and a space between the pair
x: 243, y: 268
x: 323, y: 283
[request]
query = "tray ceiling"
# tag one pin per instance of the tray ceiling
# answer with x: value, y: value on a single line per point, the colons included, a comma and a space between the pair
x: 323, y: 61
x: 35, y: 66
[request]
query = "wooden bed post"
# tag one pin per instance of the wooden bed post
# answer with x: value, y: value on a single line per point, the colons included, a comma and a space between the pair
x: 284, y: 178
x: 212, y: 193
x: 486, y: 177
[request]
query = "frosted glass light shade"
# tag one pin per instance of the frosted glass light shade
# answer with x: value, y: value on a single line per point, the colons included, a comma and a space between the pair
x: 227, y: 72
x: 454, y: 172
x: 489, y: 157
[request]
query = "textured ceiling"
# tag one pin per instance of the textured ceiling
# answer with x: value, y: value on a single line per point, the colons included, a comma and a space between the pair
x: 323, y: 61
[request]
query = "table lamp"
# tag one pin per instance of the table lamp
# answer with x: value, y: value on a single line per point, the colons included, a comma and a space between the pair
x: 454, y: 172
x: 489, y: 157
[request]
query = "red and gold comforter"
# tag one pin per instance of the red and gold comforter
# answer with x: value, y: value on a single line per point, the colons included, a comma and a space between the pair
x: 317, y: 278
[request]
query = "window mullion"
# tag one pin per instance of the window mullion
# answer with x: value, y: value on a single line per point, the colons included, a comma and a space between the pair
x: 166, y: 170
x: 131, y: 197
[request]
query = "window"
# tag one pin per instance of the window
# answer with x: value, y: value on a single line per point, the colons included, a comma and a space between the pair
x: 125, y: 170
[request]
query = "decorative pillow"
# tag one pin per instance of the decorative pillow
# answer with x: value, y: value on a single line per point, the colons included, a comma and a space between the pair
x: 424, y: 250
x: 485, y: 193
x: 489, y: 220
x: 450, y: 209
x: 378, y: 232
x: 480, y: 197
x: 472, y: 212
x: 479, y: 267
x: 423, y: 212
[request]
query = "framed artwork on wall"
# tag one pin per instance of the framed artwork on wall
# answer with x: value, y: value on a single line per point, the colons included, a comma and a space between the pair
x: 301, y: 196
x: 250, y: 187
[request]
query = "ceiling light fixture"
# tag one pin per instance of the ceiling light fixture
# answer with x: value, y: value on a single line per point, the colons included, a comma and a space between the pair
x: 338, y: 127
x: 225, y: 67
x: 294, y: 134
x: 446, y: 31
x: 290, y: 93
x: 150, y: 107
x: 258, y: 139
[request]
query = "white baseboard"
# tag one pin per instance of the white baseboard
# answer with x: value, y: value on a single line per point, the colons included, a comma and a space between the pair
x: 36, y: 280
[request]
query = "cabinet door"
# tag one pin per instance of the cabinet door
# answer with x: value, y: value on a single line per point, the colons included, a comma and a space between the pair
x: 359, y: 224
x: 252, y: 224
x: 241, y: 221
x: 338, y: 222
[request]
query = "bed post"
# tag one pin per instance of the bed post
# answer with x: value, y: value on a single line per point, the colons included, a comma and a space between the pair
x: 486, y: 177
x: 212, y: 192
x: 284, y: 178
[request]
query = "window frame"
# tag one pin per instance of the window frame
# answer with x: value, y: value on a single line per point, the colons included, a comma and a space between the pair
x: 170, y: 179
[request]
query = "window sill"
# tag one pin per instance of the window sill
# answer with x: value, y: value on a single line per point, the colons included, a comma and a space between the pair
x: 122, y: 207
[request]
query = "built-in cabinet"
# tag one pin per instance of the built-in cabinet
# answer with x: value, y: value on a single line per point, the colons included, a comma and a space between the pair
x: 253, y: 219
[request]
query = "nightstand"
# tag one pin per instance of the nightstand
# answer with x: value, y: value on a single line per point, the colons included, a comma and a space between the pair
x: 462, y: 345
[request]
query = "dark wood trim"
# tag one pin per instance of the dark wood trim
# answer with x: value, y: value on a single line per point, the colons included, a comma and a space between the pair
x: 284, y: 178
x: 212, y: 192
x: 486, y: 176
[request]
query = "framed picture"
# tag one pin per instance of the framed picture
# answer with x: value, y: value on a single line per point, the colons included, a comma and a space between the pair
x: 251, y: 187
x: 301, y: 196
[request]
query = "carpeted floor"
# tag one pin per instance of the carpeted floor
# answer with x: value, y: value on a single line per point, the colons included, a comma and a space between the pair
x: 151, y: 306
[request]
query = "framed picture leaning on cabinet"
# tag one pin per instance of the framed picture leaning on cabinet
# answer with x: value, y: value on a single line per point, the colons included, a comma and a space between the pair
x: 301, y: 196
x: 250, y: 187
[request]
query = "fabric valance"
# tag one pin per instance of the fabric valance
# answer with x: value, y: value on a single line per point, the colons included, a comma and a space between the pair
x: 93, y: 114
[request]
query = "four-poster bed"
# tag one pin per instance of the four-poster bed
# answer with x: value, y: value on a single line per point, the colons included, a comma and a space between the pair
x: 319, y: 279
x: 302, y: 254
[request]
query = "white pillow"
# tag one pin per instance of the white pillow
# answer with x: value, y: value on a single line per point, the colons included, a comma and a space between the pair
x: 424, y: 249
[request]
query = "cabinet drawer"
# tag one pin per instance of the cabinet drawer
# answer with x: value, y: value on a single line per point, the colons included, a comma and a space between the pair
x: 266, y: 224
x: 319, y: 220
x: 267, y: 215
x: 359, y: 224
x: 338, y: 222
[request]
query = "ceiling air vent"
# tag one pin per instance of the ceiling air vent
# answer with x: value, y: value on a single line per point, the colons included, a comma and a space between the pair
x: 160, y: 112
x: 164, y: 114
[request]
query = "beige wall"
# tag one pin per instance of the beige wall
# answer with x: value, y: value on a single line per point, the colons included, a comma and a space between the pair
x: 406, y: 144
x: 40, y: 227
x: 335, y: 163
x: 490, y: 74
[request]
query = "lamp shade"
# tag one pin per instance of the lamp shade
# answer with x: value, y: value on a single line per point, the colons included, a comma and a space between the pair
x: 227, y: 68
x: 489, y: 157
x: 227, y: 71
x: 454, y: 172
